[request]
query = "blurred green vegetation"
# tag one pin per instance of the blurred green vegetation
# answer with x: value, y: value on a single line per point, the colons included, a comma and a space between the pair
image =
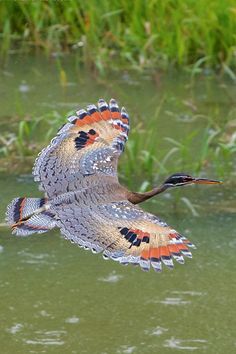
x: 155, y: 33
x: 215, y: 154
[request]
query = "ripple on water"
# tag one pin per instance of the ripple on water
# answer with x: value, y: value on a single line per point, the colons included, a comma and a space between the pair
x: 185, y: 344
x: 126, y: 349
x: 182, y: 298
x: 47, y: 338
x: 32, y: 258
x: 15, y: 328
x: 44, y: 313
x: 72, y: 319
x: 157, y: 331
x: 176, y: 301
x: 189, y: 292
x: 24, y: 87
x: 111, y: 278
x: 232, y: 244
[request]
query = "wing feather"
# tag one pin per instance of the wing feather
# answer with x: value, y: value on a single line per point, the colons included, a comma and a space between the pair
x: 88, y: 145
x: 123, y: 232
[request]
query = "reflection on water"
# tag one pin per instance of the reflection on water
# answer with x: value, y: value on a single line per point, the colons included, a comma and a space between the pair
x: 192, y: 293
x: 185, y: 344
x: 57, y: 298
x: 156, y: 331
x: 111, y: 278
x: 125, y: 349
x: 15, y: 328
x: 42, y: 258
x: 73, y: 319
x: 174, y: 301
x: 55, y: 295
x: 46, y: 338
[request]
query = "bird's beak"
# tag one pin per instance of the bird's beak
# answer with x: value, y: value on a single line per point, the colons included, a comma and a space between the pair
x: 205, y: 181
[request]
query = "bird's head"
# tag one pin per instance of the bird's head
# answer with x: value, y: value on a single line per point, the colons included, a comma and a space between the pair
x: 182, y: 179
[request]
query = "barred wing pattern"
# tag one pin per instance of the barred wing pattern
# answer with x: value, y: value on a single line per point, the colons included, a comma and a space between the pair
x: 123, y: 232
x: 78, y: 173
x: 88, y: 145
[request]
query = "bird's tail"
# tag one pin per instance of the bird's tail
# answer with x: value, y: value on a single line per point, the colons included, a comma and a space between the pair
x: 29, y: 215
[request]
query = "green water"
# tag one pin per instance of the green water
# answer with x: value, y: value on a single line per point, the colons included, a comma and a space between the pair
x: 57, y: 298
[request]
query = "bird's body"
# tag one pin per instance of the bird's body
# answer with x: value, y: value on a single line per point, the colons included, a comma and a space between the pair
x: 83, y: 197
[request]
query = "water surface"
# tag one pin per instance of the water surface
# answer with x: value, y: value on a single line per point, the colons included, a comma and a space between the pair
x: 57, y: 298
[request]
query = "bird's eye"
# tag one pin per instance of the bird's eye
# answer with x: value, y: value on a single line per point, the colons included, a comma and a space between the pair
x: 187, y: 179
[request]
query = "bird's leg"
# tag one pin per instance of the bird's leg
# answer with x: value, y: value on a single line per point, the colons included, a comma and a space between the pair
x: 45, y: 207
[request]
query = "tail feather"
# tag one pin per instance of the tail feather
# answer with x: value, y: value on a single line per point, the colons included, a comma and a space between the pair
x: 29, y: 215
x: 21, y: 208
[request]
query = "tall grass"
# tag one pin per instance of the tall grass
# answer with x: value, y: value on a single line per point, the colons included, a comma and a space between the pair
x: 140, y: 33
x: 143, y: 162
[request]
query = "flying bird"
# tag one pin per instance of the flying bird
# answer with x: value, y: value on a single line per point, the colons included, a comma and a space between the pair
x: 77, y: 172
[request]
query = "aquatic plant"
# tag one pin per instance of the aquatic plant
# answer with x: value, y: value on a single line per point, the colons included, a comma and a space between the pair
x: 139, y: 34
x: 214, y: 155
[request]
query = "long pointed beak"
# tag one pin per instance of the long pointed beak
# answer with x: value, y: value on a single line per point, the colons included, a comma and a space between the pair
x: 206, y: 181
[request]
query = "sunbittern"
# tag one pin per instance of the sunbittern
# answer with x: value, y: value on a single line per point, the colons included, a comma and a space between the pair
x: 78, y: 173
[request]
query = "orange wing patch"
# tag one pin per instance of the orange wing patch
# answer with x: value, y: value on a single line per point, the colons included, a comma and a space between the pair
x: 110, y: 124
x: 111, y: 113
x: 90, y: 143
x: 122, y: 231
x: 153, y: 251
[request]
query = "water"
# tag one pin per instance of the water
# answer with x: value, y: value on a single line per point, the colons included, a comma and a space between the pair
x: 57, y: 298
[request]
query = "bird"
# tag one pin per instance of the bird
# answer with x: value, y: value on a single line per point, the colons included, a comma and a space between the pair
x: 77, y: 172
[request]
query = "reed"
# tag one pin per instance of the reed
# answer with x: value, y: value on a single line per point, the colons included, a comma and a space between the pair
x: 140, y: 34
x: 144, y: 161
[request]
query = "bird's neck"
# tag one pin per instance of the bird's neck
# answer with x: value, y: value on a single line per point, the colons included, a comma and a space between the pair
x: 136, y: 198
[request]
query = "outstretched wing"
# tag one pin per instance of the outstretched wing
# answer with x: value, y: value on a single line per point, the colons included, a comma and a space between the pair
x: 85, y: 148
x: 123, y: 232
